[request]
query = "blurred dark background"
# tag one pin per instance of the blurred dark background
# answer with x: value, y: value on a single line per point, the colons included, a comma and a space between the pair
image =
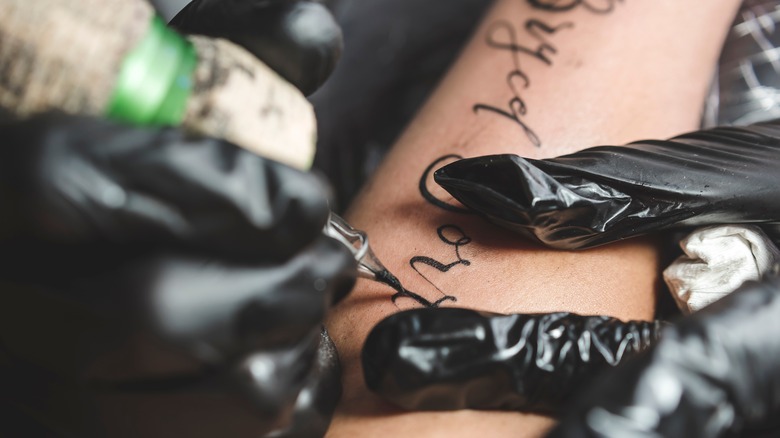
x: 395, y: 52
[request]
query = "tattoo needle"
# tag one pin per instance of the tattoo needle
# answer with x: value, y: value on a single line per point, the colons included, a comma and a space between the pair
x: 369, y: 265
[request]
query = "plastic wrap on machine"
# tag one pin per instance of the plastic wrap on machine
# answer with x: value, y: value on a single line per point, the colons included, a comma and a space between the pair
x: 450, y: 358
x: 607, y: 193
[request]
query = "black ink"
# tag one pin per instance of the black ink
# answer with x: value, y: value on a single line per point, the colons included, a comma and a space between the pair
x: 435, y: 263
x: 517, y: 108
x: 461, y: 240
x: 532, y: 26
x: 439, y: 266
x: 406, y: 293
x: 428, y: 196
x: 445, y: 235
x: 606, y: 7
x: 389, y: 279
x: 509, y: 42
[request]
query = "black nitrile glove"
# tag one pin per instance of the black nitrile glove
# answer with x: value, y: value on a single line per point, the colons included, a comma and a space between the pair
x: 712, y: 374
x: 596, y: 196
x: 603, y: 194
x: 300, y: 40
x: 158, y: 285
x: 448, y: 358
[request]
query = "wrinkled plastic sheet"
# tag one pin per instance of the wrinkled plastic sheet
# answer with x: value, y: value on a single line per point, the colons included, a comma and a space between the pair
x: 450, y: 358
x: 712, y: 374
x: 608, y: 193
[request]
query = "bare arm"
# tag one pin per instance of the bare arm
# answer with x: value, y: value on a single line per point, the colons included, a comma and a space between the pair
x: 540, y: 78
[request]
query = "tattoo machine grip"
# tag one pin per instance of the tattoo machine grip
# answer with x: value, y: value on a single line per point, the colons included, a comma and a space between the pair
x: 117, y: 59
x: 356, y: 241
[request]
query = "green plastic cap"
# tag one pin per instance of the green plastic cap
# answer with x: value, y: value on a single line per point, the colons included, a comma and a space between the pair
x: 155, y: 80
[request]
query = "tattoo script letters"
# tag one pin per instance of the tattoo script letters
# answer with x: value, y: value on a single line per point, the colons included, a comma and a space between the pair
x: 503, y: 35
x: 449, y: 234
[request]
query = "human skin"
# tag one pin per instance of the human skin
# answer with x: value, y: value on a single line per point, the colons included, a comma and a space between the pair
x: 613, y: 71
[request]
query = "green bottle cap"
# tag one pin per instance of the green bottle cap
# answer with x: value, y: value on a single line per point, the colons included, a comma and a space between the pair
x: 155, y: 80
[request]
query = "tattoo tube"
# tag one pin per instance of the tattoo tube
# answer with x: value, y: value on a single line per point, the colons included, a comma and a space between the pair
x: 450, y: 358
x: 117, y: 59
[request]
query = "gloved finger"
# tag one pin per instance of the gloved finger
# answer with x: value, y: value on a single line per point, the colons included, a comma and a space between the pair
x: 173, y: 313
x: 603, y: 194
x: 712, y: 374
x: 300, y: 40
x: 443, y: 359
x: 273, y: 379
x: 317, y: 400
x: 240, y: 307
x: 79, y: 180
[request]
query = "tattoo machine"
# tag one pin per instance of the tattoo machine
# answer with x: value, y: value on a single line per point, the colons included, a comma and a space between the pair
x: 369, y: 265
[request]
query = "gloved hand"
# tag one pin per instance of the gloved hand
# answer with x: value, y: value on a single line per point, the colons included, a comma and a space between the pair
x: 712, y: 374
x: 603, y: 194
x: 300, y: 40
x: 449, y: 358
x: 154, y: 284
x: 469, y: 360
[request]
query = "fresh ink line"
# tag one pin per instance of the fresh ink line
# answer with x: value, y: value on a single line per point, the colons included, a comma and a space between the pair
x: 406, y: 293
x: 567, y: 5
x: 428, y: 196
x: 461, y: 240
x: 517, y: 79
x: 389, y: 279
x: 439, y: 266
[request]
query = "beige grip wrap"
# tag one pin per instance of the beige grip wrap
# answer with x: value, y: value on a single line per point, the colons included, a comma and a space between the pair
x: 240, y: 99
x: 67, y: 54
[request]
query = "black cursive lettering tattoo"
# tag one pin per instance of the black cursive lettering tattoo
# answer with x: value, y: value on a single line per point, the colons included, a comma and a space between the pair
x: 428, y: 196
x: 406, y: 293
x: 595, y: 6
x: 439, y: 266
x: 451, y: 235
x: 502, y: 35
